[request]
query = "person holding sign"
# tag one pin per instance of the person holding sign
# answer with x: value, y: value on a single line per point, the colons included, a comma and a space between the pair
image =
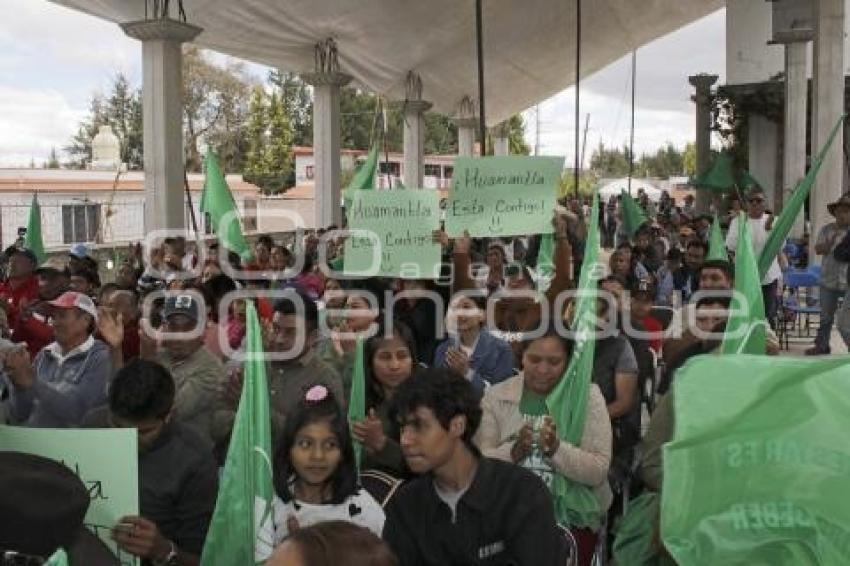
x: 178, y: 479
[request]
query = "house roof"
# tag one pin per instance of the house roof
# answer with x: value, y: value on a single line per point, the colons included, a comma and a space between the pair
x: 77, y: 181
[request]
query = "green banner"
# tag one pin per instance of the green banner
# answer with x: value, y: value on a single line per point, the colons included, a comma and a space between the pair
x: 393, y: 234
x: 107, y: 462
x: 503, y: 196
x: 758, y: 469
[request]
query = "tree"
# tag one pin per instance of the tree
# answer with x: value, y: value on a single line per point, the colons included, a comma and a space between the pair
x: 278, y: 151
x: 298, y: 102
x: 53, y: 160
x: 79, y: 148
x: 516, y: 136
x: 586, y: 184
x: 689, y: 159
x: 215, y: 101
x: 254, y: 164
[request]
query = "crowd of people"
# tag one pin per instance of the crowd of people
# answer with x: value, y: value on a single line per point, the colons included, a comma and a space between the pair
x: 460, y: 448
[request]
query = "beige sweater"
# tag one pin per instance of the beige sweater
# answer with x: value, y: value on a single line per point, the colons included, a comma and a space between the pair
x: 586, y: 464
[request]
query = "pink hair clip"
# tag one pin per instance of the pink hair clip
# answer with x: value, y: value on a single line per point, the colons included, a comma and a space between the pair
x: 316, y: 393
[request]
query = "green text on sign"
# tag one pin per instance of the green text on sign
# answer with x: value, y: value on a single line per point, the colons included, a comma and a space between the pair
x: 392, y: 234
x: 503, y: 196
x: 107, y: 462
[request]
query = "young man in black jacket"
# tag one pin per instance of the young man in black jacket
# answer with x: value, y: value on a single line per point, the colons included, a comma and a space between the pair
x: 464, y: 509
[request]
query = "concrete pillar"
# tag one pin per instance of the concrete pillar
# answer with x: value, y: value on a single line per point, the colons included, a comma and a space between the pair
x: 828, y: 107
x: 763, y: 137
x: 702, y: 98
x: 162, y: 111
x: 796, y: 107
x: 414, y: 132
x: 501, y: 144
x: 326, y: 82
x: 466, y: 124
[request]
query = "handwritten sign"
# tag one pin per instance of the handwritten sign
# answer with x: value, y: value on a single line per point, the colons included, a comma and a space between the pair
x: 392, y: 234
x: 105, y: 460
x: 503, y: 196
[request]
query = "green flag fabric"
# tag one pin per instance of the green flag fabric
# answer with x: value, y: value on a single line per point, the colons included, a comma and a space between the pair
x: 32, y: 239
x: 357, y: 402
x: 364, y: 177
x: 758, y: 468
x: 242, y: 527
x: 783, y: 223
x: 575, y: 503
x: 545, y: 261
x: 637, y: 542
x: 716, y: 243
x: 58, y: 558
x: 217, y: 201
x: 719, y: 177
x: 633, y: 215
x: 745, y: 329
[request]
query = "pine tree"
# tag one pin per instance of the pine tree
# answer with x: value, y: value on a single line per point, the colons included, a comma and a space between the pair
x: 53, y: 160
x: 278, y: 151
x: 255, y: 164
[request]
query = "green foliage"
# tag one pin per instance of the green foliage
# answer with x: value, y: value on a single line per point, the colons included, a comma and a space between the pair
x: 254, y: 163
x: 298, y: 103
x: 666, y: 162
x: 53, y: 160
x: 587, y: 183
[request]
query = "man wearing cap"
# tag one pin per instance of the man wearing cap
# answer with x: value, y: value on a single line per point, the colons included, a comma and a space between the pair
x: 22, y: 285
x: 33, y: 327
x: 79, y: 259
x: 69, y: 376
x: 198, y: 375
x: 833, y: 278
x: 759, y: 224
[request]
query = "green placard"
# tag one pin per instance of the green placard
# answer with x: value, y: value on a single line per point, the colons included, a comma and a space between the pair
x: 393, y: 234
x: 107, y: 462
x: 503, y: 196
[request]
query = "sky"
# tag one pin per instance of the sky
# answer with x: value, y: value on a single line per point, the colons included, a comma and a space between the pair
x: 52, y: 59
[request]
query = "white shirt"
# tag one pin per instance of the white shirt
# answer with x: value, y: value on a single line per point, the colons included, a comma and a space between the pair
x: 55, y: 349
x: 360, y: 509
x: 759, y: 237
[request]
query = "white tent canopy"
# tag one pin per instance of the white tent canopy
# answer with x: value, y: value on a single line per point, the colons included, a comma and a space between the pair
x: 616, y: 186
x: 529, y: 46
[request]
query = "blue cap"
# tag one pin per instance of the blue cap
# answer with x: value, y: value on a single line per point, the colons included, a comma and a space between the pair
x: 79, y: 251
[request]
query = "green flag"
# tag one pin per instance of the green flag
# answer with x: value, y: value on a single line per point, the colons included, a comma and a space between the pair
x: 716, y: 243
x: 58, y: 558
x: 785, y: 221
x: 357, y: 403
x: 546, y: 255
x: 758, y: 468
x: 364, y: 177
x: 575, y: 503
x: 242, y: 527
x: 32, y: 239
x: 745, y: 329
x: 719, y: 177
x: 633, y: 215
x: 218, y: 202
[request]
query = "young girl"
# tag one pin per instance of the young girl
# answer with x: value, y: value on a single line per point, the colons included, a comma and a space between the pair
x: 315, y: 474
x: 390, y: 360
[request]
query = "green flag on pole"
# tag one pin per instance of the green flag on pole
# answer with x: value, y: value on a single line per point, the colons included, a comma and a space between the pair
x: 633, y: 215
x: 218, y: 202
x: 58, y: 558
x: 357, y: 402
x: 716, y: 243
x: 785, y: 221
x: 575, y: 503
x: 546, y: 261
x: 758, y: 468
x: 364, y: 177
x: 32, y: 239
x: 242, y: 527
x: 745, y: 329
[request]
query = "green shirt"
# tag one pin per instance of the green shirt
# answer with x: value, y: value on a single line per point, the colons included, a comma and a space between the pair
x: 533, y: 409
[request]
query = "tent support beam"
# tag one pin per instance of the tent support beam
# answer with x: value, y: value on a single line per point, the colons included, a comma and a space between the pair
x: 479, y: 33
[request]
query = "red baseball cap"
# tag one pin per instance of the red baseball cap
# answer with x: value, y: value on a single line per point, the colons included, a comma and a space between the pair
x: 71, y: 299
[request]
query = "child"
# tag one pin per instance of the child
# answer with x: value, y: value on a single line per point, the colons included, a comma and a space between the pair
x: 315, y: 474
x: 641, y: 305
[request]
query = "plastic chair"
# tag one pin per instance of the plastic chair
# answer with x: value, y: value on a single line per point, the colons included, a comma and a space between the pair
x: 799, y: 300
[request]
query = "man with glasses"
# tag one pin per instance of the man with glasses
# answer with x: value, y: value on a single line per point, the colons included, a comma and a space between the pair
x: 759, y: 223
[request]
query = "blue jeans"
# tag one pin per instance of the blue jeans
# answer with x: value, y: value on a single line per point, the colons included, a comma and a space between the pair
x: 771, y: 302
x: 828, y: 305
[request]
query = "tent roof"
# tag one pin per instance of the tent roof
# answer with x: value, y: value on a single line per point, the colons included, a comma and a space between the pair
x: 529, y: 46
x: 616, y: 186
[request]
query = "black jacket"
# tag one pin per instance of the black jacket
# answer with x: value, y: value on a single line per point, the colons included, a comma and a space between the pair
x: 505, y: 518
x: 842, y: 251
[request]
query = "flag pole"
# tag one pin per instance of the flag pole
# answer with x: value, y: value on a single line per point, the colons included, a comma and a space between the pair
x: 479, y: 33
x: 577, y: 167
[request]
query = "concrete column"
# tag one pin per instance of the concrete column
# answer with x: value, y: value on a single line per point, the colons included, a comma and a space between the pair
x: 327, y: 193
x: 466, y: 124
x: 501, y: 145
x: 762, y: 141
x: 828, y: 107
x: 414, y: 131
x: 796, y: 107
x: 162, y: 110
x: 702, y: 98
